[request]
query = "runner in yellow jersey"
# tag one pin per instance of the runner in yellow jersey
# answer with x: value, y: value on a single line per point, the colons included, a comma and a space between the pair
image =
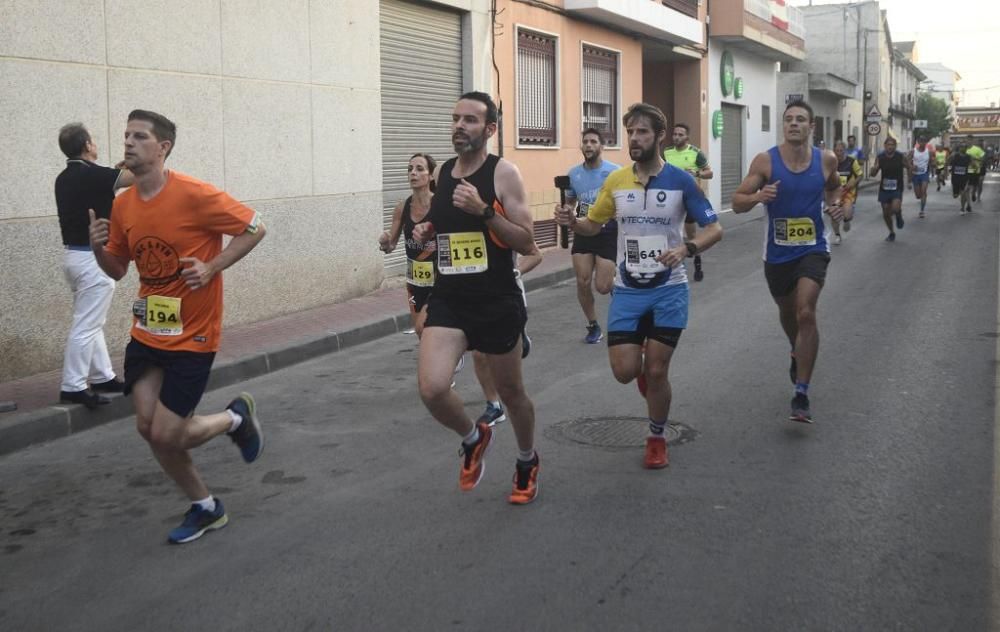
x: 976, y: 171
x: 683, y: 155
x: 941, y: 164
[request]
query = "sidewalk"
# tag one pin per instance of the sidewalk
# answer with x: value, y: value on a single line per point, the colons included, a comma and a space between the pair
x: 247, y: 351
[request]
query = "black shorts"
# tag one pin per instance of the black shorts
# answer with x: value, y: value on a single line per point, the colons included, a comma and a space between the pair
x: 958, y: 184
x: 185, y: 374
x: 604, y: 245
x: 973, y: 179
x: 783, y: 277
x: 491, y: 325
x: 417, y: 297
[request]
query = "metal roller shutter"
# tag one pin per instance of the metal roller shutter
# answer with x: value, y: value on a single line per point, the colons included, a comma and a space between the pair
x: 732, y: 152
x: 421, y: 48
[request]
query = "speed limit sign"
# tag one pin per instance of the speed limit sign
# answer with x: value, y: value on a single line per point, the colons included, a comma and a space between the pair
x: 873, y: 129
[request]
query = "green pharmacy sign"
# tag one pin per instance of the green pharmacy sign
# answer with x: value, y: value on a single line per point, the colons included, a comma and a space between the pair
x: 728, y: 73
x: 717, y: 124
x: 738, y: 90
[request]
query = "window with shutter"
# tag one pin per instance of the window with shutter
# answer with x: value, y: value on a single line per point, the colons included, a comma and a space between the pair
x: 600, y: 92
x: 536, y: 89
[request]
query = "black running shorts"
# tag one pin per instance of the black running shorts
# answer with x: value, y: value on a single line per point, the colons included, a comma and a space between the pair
x: 491, y: 325
x: 958, y: 184
x: 185, y: 374
x: 783, y: 277
x: 417, y: 297
x: 604, y: 245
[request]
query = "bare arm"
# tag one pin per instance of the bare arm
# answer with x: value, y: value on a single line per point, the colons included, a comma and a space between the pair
x: 515, y: 227
x: 528, y: 262
x: 754, y: 189
x: 833, y: 189
x: 199, y: 273
x: 706, y: 173
x: 389, y: 238
x: 113, y: 266
x: 875, y: 169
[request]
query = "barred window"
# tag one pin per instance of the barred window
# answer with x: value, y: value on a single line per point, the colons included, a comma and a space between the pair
x: 600, y: 92
x: 536, y: 89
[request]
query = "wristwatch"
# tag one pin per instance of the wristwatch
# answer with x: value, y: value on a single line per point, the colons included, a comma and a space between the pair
x: 691, y: 248
x: 489, y: 212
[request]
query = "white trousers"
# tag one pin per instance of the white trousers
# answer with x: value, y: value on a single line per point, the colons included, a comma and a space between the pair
x: 86, y: 358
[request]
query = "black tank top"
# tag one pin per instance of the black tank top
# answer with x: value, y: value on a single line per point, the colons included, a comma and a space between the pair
x: 414, y: 249
x: 892, y: 171
x: 471, y: 261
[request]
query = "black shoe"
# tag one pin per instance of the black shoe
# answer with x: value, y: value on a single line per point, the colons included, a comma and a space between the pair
x: 800, y: 409
x: 247, y: 436
x: 111, y: 386
x: 88, y: 398
x: 899, y: 220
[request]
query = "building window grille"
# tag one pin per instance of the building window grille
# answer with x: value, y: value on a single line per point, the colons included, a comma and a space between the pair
x: 765, y: 118
x: 600, y: 92
x: 536, y: 89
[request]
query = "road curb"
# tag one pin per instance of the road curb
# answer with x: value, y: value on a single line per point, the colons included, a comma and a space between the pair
x: 55, y: 422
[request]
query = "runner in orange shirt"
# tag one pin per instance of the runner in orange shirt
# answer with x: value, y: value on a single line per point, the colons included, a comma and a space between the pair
x: 171, y: 225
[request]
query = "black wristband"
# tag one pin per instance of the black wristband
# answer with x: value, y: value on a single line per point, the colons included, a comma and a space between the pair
x: 691, y: 248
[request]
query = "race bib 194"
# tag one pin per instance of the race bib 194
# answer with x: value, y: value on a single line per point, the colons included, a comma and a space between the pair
x: 163, y: 316
x: 794, y: 231
x: 462, y: 253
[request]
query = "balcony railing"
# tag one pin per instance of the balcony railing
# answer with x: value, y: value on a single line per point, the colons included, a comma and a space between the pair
x: 791, y: 19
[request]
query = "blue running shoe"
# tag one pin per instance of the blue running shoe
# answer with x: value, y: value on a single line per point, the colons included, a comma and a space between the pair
x: 800, y: 409
x: 594, y: 334
x: 247, y: 436
x: 197, y: 521
x: 493, y: 415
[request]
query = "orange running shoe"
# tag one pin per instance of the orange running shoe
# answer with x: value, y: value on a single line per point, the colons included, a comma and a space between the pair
x: 657, y: 456
x: 473, y: 459
x: 525, y: 483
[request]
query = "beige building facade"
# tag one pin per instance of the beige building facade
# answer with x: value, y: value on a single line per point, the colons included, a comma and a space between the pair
x: 277, y: 103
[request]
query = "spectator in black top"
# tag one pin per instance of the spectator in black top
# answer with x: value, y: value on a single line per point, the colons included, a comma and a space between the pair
x: 85, y: 185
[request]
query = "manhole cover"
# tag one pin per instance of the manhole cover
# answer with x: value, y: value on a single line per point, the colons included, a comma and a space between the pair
x: 616, y: 432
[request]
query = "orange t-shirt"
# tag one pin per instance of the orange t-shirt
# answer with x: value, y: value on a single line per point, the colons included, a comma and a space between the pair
x: 187, y: 218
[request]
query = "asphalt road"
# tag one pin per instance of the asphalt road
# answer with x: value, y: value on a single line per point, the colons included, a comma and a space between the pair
x: 878, y: 517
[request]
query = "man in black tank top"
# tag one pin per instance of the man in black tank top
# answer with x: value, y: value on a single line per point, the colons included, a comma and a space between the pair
x: 479, y: 214
x: 890, y: 188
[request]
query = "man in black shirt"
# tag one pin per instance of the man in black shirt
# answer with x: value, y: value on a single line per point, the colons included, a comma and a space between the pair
x: 82, y: 186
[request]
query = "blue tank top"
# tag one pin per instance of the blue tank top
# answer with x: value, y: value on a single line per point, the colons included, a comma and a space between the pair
x: 795, y: 218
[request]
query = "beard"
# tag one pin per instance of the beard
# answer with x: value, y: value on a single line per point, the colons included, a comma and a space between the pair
x: 469, y: 144
x: 642, y: 154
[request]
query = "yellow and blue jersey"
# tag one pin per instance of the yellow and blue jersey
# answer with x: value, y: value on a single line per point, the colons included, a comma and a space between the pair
x: 650, y: 221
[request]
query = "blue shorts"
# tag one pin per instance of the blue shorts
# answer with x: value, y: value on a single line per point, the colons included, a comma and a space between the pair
x: 884, y: 197
x: 667, y: 304
x: 920, y: 178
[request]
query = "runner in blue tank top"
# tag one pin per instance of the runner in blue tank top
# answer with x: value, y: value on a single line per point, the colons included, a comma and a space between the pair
x: 792, y: 180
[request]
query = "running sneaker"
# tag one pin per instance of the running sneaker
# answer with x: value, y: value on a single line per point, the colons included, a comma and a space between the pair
x: 920, y: 215
x: 247, y: 436
x: 594, y: 334
x: 837, y: 239
x: 493, y: 415
x: 800, y: 409
x: 473, y: 458
x: 525, y: 344
x: 891, y: 237
x: 899, y: 220
x: 793, y: 369
x: 657, y: 457
x: 525, y: 487
x: 197, y: 521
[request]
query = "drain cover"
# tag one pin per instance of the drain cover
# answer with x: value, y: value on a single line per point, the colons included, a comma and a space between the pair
x: 616, y: 432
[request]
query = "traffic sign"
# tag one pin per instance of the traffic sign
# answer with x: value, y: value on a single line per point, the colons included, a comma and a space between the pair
x: 874, y: 113
x: 920, y: 124
x: 873, y: 129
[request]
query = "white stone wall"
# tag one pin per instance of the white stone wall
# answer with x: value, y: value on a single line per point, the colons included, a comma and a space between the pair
x: 760, y: 88
x: 276, y: 102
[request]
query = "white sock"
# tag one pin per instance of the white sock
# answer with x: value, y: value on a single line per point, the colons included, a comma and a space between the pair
x: 526, y: 456
x: 495, y: 404
x: 208, y: 504
x: 472, y: 437
x: 236, y: 420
